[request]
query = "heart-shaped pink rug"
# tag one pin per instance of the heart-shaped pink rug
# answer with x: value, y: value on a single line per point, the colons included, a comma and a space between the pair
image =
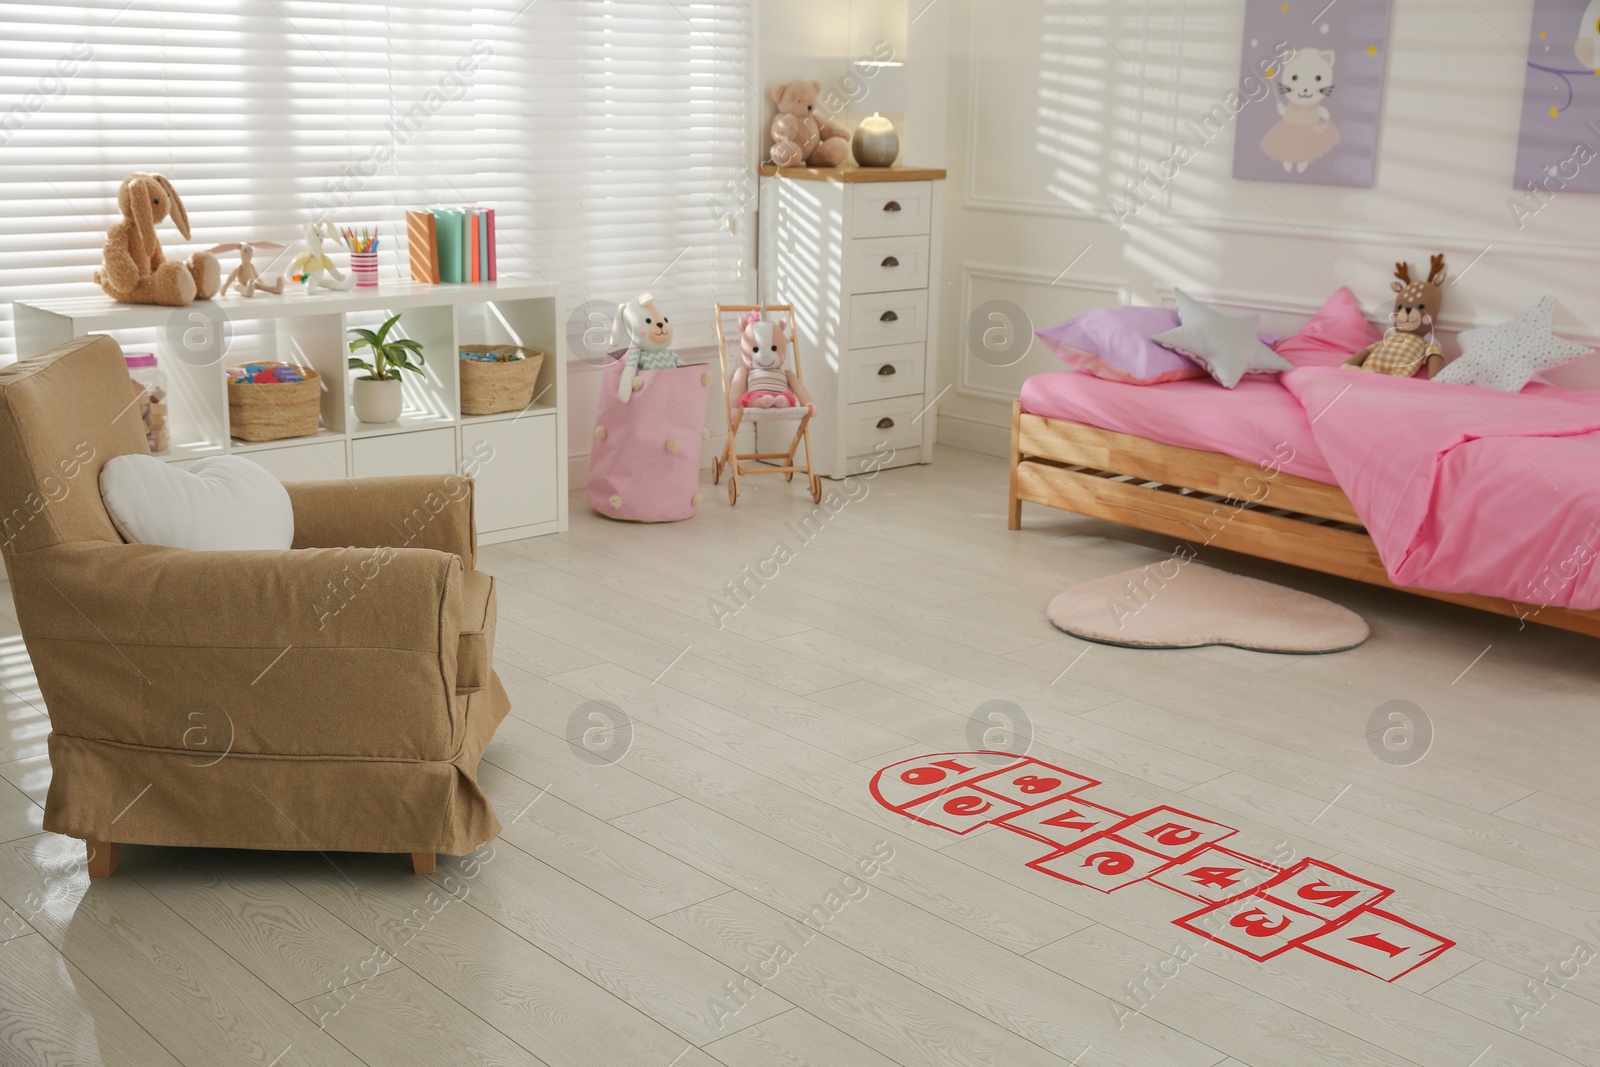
x: 1176, y: 604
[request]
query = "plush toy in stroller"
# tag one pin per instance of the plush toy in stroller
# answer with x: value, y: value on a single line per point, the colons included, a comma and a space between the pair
x: 767, y: 378
x: 765, y: 386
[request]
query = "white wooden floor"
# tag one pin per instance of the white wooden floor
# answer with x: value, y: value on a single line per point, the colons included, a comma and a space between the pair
x: 646, y: 910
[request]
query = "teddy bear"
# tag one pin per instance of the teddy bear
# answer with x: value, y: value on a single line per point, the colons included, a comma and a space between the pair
x: 799, y: 137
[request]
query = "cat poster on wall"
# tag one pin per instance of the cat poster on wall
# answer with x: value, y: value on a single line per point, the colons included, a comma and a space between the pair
x: 1559, y: 146
x: 1319, y: 125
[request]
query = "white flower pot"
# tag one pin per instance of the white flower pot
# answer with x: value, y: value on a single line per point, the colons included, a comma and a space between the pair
x: 378, y: 402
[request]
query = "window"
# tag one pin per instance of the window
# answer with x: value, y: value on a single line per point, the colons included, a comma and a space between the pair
x: 614, y: 138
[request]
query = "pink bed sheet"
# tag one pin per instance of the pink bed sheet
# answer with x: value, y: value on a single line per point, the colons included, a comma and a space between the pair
x: 1257, y: 422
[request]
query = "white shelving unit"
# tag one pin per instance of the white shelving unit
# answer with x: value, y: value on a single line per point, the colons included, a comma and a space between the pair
x: 519, y: 459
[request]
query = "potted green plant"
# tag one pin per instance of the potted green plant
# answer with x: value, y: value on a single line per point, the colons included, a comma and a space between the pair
x: 377, y: 393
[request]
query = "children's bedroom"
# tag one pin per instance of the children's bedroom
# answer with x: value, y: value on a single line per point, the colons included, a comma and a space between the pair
x: 748, y: 533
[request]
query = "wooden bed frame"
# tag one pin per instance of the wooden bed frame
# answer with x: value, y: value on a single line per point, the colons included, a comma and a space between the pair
x: 1207, y: 498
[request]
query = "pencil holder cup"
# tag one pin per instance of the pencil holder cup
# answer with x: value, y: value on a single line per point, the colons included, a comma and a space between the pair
x: 364, y: 265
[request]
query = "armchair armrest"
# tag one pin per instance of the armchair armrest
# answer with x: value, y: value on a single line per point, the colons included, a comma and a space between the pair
x: 421, y: 511
x: 315, y: 652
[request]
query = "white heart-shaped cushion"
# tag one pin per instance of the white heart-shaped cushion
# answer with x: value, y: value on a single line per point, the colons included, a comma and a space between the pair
x: 220, y: 504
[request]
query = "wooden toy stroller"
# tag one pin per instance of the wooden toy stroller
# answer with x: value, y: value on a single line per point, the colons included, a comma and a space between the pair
x: 756, y: 391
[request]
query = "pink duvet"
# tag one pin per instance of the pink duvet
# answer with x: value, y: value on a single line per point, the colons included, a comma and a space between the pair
x: 1466, y: 490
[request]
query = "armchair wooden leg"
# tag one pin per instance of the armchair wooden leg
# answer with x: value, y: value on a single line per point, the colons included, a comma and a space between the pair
x: 1014, y: 504
x: 102, y: 858
x: 422, y: 862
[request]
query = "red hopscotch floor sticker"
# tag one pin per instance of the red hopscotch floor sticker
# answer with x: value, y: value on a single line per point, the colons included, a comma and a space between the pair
x: 1249, y: 905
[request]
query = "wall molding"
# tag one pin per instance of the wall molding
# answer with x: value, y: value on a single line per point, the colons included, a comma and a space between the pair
x: 1473, y: 247
x: 1119, y: 288
x: 976, y: 201
x: 1005, y: 206
x: 987, y: 437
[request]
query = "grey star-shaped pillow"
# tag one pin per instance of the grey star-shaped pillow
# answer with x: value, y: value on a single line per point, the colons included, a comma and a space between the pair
x: 1506, y: 357
x: 1224, y: 346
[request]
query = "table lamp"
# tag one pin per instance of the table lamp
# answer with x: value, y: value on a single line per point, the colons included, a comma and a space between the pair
x: 876, y: 144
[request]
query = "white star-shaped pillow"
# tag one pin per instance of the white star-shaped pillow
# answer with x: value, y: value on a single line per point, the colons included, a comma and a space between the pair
x: 1227, y: 347
x: 1506, y: 357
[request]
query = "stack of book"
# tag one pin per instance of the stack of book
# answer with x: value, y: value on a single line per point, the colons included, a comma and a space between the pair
x: 451, y: 244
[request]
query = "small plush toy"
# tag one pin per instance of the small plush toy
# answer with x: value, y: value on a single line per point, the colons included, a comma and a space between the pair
x: 245, y: 274
x: 765, y: 379
x: 645, y: 331
x: 313, y: 268
x: 799, y: 137
x: 1409, y: 343
x: 133, y: 269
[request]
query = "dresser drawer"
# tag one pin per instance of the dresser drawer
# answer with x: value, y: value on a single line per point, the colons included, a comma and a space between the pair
x: 878, y: 319
x: 881, y: 373
x: 885, y: 264
x: 878, y: 422
x: 889, y: 209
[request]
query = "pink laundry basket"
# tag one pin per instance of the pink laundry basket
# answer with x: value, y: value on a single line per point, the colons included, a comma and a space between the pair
x: 644, y: 465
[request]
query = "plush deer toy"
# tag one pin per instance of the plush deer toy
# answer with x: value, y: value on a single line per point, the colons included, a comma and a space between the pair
x: 1409, y: 344
x: 134, y: 270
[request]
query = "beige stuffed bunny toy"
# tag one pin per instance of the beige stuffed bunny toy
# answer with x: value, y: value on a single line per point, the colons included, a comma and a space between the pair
x: 245, y: 275
x: 134, y: 270
x: 799, y: 137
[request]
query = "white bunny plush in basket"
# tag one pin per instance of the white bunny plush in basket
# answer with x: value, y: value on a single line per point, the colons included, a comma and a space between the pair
x: 645, y: 331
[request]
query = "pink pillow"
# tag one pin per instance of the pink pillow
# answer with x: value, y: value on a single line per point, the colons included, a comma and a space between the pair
x: 1114, y: 344
x: 1333, y: 335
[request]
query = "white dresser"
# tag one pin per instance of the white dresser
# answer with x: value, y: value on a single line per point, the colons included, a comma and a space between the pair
x: 852, y: 249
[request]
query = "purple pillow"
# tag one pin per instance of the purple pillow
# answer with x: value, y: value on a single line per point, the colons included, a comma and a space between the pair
x: 1115, y: 344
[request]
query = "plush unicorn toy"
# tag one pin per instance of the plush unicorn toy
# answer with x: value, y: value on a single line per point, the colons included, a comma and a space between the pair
x: 648, y: 336
x: 313, y: 267
x: 766, y: 379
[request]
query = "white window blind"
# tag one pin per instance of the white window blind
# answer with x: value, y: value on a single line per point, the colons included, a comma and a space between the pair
x: 613, y: 137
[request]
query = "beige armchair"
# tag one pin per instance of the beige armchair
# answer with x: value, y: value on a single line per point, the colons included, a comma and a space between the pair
x: 335, y: 696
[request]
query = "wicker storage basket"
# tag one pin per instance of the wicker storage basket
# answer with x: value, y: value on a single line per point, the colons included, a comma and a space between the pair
x: 267, y: 411
x: 505, y: 385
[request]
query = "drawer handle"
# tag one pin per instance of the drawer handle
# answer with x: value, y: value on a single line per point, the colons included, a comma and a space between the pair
x: 886, y: 370
x: 885, y: 424
x: 888, y: 316
x: 891, y: 262
x: 893, y: 205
